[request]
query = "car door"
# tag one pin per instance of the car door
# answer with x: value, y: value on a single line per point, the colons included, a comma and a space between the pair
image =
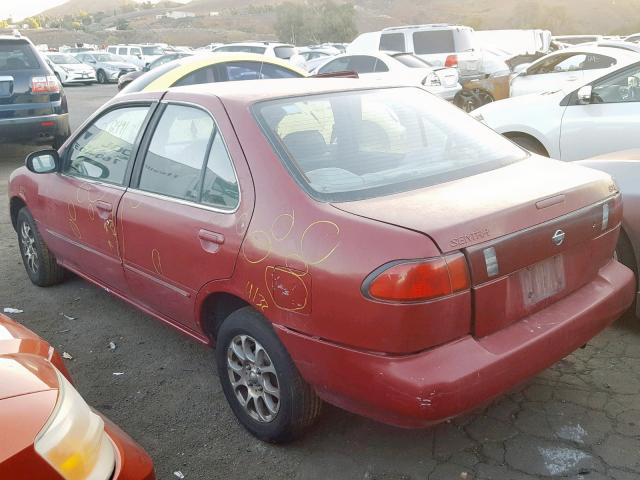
x: 180, y: 222
x: 609, y: 123
x: 81, y: 201
x: 549, y: 74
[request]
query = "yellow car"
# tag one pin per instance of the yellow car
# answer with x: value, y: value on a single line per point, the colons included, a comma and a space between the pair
x: 210, y: 68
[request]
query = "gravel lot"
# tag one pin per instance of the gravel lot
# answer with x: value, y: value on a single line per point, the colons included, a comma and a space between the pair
x: 579, y: 419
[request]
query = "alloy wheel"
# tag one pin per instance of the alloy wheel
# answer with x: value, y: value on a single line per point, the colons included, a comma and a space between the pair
x: 253, y: 378
x: 27, y: 242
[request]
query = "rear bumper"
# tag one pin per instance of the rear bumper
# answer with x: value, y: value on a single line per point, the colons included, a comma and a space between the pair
x: 132, y: 462
x: 430, y: 387
x: 42, y: 129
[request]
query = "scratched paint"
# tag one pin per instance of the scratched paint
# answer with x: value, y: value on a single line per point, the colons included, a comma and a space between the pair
x: 155, y: 259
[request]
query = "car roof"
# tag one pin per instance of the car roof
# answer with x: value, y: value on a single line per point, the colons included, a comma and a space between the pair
x: 245, y: 92
x: 190, y: 63
x: 610, y: 51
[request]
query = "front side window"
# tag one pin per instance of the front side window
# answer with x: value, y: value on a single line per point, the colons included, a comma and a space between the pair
x: 176, y: 154
x: 103, y: 151
x: 620, y: 88
x: 392, y: 42
x: 360, y: 144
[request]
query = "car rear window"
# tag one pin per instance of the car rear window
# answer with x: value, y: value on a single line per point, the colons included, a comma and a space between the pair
x: 284, y: 52
x: 17, y: 56
x: 242, y: 48
x: 360, y: 144
x: 442, y: 41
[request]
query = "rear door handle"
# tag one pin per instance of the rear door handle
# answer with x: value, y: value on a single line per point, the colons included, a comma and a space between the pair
x: 210, y: 241
x: 104, y: 209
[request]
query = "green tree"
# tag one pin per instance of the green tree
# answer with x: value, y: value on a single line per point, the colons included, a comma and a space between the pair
x: 314, y: 23
x: 122, y: 24
x: 32, y: 22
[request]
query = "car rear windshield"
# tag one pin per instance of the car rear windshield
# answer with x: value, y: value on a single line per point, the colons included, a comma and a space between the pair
x: 284, y: 52
x: 411, y: 61
x: 360, y: 144
x: 17, y: 55
x: 442, y: 41
x: 242, y: 48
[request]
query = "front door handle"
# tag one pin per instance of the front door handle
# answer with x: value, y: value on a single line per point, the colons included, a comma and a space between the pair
x: 104, y: 209
x: 210, y: 241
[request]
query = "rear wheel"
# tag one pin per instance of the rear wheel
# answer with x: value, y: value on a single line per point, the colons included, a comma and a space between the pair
x: 260, y: 381
x: 469, y: 100
x: 39, y: 262
x: 530, y: 143
x: 101, y: 76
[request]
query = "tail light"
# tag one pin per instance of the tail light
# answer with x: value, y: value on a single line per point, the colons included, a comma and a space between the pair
x: 451, y: 61
x: 431, y: 80
x: 418, y: 280
x: 48, y: 84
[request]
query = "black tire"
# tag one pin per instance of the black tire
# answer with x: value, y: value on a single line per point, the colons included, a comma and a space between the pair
x: 101, y: 76
x: 298, y: 406
x: 43, y: 271
x: 530, y: 144
x: 88, y: 83
x: 58, y: 141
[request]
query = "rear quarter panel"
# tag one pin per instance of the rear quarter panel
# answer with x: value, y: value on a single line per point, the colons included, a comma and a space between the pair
x: 302, y: 262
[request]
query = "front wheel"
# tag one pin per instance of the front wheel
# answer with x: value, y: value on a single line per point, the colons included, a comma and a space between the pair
x: 260, y: 381
x: 101, y: 76
x: 39, y: 262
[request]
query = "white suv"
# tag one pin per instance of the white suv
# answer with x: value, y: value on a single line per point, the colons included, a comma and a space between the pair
x: 441, y: 45
x: 272, y: 49
x: 139, y: 55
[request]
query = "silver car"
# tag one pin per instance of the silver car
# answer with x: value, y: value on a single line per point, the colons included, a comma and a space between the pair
x: 108, y: 67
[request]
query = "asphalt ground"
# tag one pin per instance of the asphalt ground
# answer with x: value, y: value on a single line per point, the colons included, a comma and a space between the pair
x: 579, y: 419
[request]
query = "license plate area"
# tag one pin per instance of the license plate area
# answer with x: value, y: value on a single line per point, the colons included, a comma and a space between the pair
x: 542, y: 280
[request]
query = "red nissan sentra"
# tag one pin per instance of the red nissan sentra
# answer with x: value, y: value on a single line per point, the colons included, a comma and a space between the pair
x: 47, y: 431
x: 372, y: 247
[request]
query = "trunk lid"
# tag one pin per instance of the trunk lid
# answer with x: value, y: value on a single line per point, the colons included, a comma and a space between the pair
x: 508, y: 223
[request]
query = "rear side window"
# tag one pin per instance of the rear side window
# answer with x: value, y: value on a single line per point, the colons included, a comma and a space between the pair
x: 360, y: 144
x: 362, y: 64
x: 202, y: 75
x: 284, y: 52
x: 269, y: 70
x: 433, y: 41
x: 176, y: 154
x: 393, y: 42
x: 145, y: 80
x: 220, y: 187
x: 17, y: 56
x: 103, y: 151
x: 122, y: 51
x: 338, y: 65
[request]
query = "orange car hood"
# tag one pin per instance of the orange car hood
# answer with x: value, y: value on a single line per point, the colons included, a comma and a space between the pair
x: 25, y: 365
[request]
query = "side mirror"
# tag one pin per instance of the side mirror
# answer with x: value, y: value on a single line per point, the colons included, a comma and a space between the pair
x: 585, y: 94
x: 43, y: 161
x: 139, y: 56
x: 145, y: 68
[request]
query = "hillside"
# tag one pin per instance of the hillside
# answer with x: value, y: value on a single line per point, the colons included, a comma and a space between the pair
x: 245, y: 19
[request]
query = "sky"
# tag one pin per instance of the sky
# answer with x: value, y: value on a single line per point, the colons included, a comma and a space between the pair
x: 19, y: 9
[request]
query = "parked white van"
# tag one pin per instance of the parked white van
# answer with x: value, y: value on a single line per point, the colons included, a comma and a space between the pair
x: 441, y: 45
x: 139, y: 55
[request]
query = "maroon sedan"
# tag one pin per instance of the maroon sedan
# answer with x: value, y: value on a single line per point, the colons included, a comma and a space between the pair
x: 372, y: 247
